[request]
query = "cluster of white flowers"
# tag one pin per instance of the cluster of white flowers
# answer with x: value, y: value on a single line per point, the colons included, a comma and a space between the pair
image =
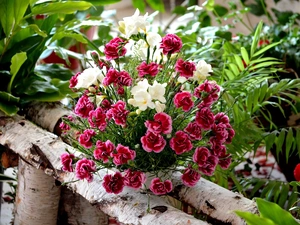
x: 144, y: 94
x: 90, y: 76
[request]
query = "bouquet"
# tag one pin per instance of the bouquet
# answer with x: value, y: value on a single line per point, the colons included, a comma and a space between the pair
x: 144, y: 111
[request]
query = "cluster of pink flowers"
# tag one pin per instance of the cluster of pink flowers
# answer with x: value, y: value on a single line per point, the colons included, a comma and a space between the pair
x: 115, y: 129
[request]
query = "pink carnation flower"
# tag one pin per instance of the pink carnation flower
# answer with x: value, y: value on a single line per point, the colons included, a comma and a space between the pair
x: 205, y: 118
x: 181, y: 143
x: 97, y: 118
x: 85, y: 139
x: 83, y: 107
x: 170, y: 44
x: 74, y: 80
x: 84, y: 169
x: 67, y: 160
x: 113, y: 183
x: 194, y: 131
x: 153, y: 142
x: 134, y: 179
x: 209, y: 166
x: 190, y: 177
x: 162, y: 124
x: 118, y: 113
x: 103, y: 150
x: 115, y: 48
x: 184, y: 100
x: 201, y: 155
x: 148, y: 69
x: 123, y: 155
x: 160, y: 188
x: 184, y: 68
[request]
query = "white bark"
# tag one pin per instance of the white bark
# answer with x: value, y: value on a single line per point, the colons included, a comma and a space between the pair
x: 42, y: 149
x: 214, y: 201
x: 37, y: 197
x: 47, y: 114
x: 76, y: 210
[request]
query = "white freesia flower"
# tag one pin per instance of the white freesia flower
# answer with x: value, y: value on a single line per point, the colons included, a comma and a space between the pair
x: 159, y: 107
x: 141, y: 86
x: 142, y: 99
x: 90, y: 76
x: 157, y: 91
x: 134, y: 24
x: 181, y: 79
x: 153, y: 39
x: 202, y: 71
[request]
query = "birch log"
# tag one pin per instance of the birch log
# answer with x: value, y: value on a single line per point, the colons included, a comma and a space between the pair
x: 213, y: 200
x: 42, y: 150
x: 73, y: 209
x: 207, y: 197
x: 37, y: 197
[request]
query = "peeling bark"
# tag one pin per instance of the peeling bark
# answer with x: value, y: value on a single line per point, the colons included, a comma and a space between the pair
x: 213, y: 200
x: 129, y: 207
x: 37, y: 197
x: 76, y: 210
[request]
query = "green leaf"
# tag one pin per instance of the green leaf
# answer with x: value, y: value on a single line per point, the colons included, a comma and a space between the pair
x: 37, y: 30
x: 5, y: 178
x: 8, y: 108
x: 245, y: 55
x: 234, y: 69
x: 103, y: 2
x: 7, y: 16
x: 65, y: 7
x: 179, y: 10
x: 288, y: 143
x: 139, y: 5
x: 264, y: 64
x: 53, y: 71
x: 263, y: 60
x: 209, y: 5
x: 8, y: 97
x: 253, y: 219
x: 220, y: 10
x: 16, y: 63
x: 156, y: 5
x: 63, y: 34
x: 239, y: 62
x: 272, y: 211
x: 279, y: 142
x: 270, y: 139
x: 284, y: 193
x: 256, y: 38
x: 266, y: 49
x: 20, y: 7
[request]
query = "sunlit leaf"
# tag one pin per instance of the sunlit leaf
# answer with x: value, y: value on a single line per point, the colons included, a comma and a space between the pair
x: 16, y: 63
x: 66, y: 7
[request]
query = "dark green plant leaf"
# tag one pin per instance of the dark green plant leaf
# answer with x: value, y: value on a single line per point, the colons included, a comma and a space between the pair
x: 77, y: 37
x: 5, y: 178
x: 220, y: 10
x: 224, y: 34
x: 7, y: 97
x: 8, y: 108
x: 53, y: 71
x: 179, y: 10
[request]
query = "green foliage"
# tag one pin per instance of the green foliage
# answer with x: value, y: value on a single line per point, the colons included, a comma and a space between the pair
x: 270, y: 213
x: 24, y: 38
